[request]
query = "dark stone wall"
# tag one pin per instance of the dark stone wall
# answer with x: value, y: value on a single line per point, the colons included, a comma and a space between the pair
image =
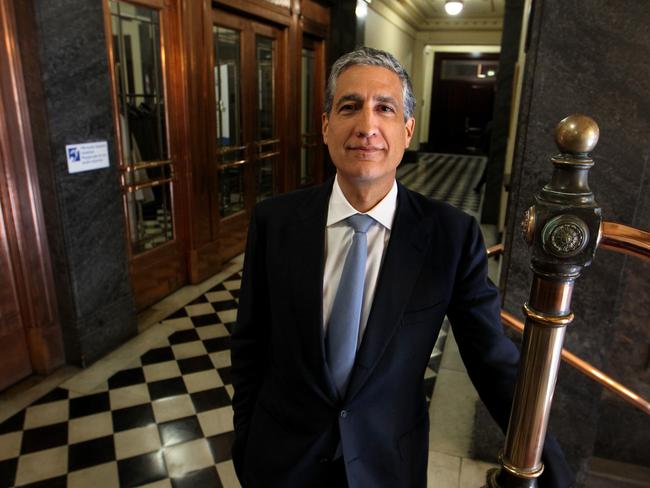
x: 514, y: 10
x: 69, y: 71
x: 344, y: 30
x: 587, y: 57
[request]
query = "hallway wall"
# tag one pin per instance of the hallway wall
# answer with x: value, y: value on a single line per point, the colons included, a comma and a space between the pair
x: 391, y: 36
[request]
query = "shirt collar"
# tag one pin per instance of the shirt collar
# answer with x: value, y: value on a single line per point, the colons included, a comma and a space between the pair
x: 340, y: 209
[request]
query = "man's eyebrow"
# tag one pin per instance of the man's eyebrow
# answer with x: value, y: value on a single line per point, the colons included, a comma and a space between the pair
x: 357, y: 98
x: 350, y: 97
x: 386, y: 99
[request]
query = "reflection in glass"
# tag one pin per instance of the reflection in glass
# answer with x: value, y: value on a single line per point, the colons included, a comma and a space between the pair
x: 267, y: 150
x: 307, y: 128
x: 142, y: 124
x: 229, y: 131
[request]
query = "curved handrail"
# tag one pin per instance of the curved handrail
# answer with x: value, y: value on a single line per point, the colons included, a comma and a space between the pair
x: 619, y: 238
x: 587, y: 369
x: 625, y: 239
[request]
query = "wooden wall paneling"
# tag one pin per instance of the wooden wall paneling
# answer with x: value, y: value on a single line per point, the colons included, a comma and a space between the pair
x: 320, y: 81
x: 315, y: 23
x: 288, y: 118
x: 203, y: 211
x: 291, y: 88
x: 315, y: 28
x: 315, y: 12
x: 16, y: 363
x: 259, y: 8
x: 22, y: 207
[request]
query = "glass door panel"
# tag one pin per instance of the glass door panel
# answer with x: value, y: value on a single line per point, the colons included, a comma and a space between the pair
x: 147, y: 170
x: 231, y: 149
x: 266, y: 141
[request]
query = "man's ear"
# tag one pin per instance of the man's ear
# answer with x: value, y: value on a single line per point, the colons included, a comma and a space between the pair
x: 410, y: 130
x: 325, y: 122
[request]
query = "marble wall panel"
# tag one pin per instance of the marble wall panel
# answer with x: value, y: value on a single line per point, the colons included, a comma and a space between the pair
x: 502, y: 106
x: 97, y: 305
x: 584, y: 57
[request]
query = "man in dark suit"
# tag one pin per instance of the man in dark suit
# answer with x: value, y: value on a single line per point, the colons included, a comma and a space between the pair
x: 307, y: 415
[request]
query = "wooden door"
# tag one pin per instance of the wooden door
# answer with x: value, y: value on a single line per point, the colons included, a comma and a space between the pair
x: 144, y: 52
x: 462, y: 102
x: 248, y: 137
x: 312, y: 88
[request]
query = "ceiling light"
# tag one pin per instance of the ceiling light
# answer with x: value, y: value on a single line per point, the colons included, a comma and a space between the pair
x: 362, y: 9
x: 453, y: 7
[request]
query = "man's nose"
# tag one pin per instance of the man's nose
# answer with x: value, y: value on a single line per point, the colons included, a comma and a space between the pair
x: 366, y: 124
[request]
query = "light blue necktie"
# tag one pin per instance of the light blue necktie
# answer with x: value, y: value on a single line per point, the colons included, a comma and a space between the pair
x: 343, y: 328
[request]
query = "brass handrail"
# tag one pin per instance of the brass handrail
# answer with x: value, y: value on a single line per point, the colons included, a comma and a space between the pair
x: 624, y: 239
x: 619, y: 238
x: 587, y: 369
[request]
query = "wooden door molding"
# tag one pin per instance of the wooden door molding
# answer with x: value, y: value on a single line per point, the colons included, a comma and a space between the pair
x: 26, y: 239
x: 204, y: 258
x: 258, y: 8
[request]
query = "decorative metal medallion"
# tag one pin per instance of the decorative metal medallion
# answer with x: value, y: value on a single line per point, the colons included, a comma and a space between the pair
x: 565, y: 236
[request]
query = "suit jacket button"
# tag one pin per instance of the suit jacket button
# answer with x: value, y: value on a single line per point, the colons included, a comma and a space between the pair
x: 323, y: 460
x: 344, y: 413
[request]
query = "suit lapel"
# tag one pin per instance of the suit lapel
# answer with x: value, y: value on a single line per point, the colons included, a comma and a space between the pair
x: 402, y: 264
x: 306, y: 277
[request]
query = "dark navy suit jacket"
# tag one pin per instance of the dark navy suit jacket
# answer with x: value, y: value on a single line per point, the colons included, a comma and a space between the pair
x: 288, y: 418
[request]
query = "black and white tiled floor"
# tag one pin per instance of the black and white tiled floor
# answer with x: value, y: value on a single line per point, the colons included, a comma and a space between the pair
x: 448, y: 177
x: 164, y: 418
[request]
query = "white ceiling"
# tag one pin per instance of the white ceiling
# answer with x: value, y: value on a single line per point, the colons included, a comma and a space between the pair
x: 419, y: 13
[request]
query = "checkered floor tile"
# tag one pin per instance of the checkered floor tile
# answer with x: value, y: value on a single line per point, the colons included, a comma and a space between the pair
x: 163, y: 421
x: 447, y: 177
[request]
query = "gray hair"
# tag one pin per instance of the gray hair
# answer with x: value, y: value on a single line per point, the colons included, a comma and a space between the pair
x: 371, y: 57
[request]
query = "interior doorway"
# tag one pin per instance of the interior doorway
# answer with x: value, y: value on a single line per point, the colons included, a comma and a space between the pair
x: 462, y: 101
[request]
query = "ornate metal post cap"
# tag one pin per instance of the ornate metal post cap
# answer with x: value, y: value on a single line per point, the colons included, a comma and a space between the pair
x: 576, y: 134
x: 562, y: 227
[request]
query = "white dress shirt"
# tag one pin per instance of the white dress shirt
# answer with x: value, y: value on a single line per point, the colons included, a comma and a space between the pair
x: 338, y: 238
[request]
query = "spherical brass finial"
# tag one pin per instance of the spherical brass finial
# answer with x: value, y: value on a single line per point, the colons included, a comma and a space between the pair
x: 577, y: 134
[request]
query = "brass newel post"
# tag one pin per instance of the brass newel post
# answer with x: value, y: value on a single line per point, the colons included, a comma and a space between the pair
x: 562, y: 229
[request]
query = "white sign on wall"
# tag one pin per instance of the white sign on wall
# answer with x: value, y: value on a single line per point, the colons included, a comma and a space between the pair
x: 87, y: 156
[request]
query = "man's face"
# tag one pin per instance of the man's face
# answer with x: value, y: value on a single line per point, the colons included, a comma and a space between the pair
x: 365, y: 132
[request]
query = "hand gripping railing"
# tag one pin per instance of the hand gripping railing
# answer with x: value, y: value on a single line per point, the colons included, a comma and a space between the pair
x: 562, y: 228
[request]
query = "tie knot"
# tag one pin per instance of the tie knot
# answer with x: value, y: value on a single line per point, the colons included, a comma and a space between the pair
x: 360, y: 222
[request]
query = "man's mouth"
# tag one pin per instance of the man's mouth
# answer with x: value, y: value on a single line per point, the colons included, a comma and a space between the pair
x: 365, y: 149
